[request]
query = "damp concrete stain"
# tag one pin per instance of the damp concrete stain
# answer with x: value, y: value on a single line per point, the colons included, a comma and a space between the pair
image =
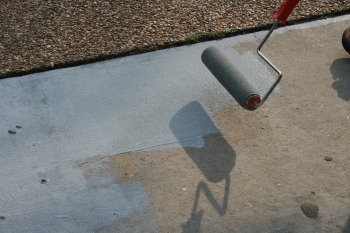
x: 142, y: 223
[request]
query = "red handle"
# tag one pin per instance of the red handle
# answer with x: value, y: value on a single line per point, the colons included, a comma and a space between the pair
x: 285, y: 10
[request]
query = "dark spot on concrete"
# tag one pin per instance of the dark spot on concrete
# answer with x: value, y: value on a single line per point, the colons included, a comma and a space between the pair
x: 328, y: 158
x: 12, y: 131
x: 18, y: 126
x: 2, y: 217
x: 43, y: 100
x: 310, y: 210
x: 43, y: 181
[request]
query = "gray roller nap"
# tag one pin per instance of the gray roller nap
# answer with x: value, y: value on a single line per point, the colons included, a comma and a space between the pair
x: 231, y: 78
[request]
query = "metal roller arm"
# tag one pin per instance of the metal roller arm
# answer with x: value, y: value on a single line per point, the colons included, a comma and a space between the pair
x: 270, y: 64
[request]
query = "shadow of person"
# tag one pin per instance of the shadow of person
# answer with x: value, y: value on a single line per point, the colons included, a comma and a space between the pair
x: 215, y: 160
x: 346, y: 228
x: 340, y: 70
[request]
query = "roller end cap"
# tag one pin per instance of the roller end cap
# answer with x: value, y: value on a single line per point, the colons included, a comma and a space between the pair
x: 252, y: 102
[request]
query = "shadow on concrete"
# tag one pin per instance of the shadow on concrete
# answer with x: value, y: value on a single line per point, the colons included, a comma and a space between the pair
x: 346, y: 228
x: 215, y: 160
x: 340, y: 70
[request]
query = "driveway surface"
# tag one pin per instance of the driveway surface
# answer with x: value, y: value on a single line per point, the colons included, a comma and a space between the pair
x: 153, y: 143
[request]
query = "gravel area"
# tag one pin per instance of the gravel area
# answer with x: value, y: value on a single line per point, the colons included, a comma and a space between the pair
x: 37, y: 35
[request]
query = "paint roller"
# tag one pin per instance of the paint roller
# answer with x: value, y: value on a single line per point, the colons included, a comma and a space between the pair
x: 232, y: 79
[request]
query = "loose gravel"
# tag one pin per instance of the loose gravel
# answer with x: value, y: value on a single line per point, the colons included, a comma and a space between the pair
x: 37, y: 35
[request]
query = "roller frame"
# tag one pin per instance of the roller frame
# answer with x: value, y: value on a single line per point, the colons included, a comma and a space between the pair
x: 270, y: 64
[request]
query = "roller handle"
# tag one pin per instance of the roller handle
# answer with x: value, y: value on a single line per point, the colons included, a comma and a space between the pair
x: 285, y: 10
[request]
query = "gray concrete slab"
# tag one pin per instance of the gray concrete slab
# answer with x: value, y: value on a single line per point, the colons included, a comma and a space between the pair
x: 123, y: 105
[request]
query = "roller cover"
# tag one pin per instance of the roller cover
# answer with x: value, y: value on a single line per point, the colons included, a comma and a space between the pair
x: 230, y: 77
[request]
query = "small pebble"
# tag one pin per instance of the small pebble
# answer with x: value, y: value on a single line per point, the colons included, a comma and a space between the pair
x: 18, y: 127
x: 310, y: 210
x: 328, y: 158
x: 2, y: 217
x: 184, y: 189
x: 52, y: 64
x: 12, y: 131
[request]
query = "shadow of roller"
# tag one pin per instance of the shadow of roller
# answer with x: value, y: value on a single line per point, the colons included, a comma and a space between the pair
x: 215, y: 160
x: 232, y: 79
